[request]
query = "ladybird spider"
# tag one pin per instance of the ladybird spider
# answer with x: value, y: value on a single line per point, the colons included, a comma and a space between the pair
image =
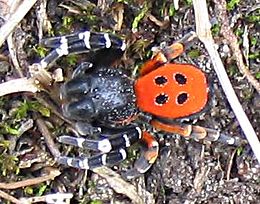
x: 105, y: 102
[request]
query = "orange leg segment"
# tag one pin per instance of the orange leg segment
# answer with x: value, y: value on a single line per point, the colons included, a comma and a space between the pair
x: 197, y: 132
x: 149, y: 154
x: 167, y: 54
x: 158, y: 60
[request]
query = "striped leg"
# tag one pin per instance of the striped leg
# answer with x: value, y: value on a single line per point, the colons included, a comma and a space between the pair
x: 79, y: 43
x: 112, y: 147
x: 197, y: 132
x: 109, y: 143
x: 106, y: 159
x: 149, y: 154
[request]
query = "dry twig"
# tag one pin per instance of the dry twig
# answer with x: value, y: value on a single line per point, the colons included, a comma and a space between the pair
x: 10, y: 198
x: 29, y: 182
x: 119, y: 184
x: 18, y: 85
x: 61, y: 198
x: 14, y: 19
x: 47, y: 137
x: 230, y: 163
x: 204, y: 34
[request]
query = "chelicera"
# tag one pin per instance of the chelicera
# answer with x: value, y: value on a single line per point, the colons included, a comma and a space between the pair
x: 105, y: 102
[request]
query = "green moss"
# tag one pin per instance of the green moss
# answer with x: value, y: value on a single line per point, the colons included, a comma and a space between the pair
x: 40, y: 51
x: 139, y: 46
x: 26, y: 106
x: 41, y: 189
x: 132, y: 155
x: 194, y: 54
x: 162, y: 8
x: 248, y: 94
x: 28, y: 190
x: 254, y: 17
x: 96, y: 202
x: 188, y: 2
x: 88, y: 18
x: 8, y: 164
x: 91, y: 184
x: 22, y: 111
x: 67, y: 21
x: 38, y: 190
x: 215, y: 29
x: 172, y: 10
x: 6, y: 128
x: 139, y: 17
x: 257, y: 75
x: 4, y: 144
x: 240, y: 151
x: 35, y: 106
x: 239, y: 31
x: 232, y: 4
x: 253, y: 41
x: 232, y: 70
x: 255, y: 55
x: 72, y: 60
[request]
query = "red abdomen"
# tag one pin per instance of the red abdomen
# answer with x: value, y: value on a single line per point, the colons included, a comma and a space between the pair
x: 172, y: 91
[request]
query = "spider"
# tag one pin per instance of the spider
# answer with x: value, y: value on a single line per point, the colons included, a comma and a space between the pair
x: 106, y: 103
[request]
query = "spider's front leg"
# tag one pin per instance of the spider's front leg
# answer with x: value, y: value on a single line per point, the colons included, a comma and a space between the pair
x: 79, y: 43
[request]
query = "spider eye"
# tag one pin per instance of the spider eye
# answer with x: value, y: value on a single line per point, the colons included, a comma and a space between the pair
x: 160, y: 80
x: 182, y: 98
x: 180, y: 78
x: 161, y: 99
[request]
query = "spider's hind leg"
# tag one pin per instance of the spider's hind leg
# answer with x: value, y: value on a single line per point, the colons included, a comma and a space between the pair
x: 198, y: 133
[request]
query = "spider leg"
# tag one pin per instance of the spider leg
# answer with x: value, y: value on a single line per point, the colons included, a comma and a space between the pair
x: 168, y: 53
x: 112, y: 148
x: 149, y: 154
x: 54, y: 42
x: 106, y: 159
x: 197, y: 132
x: 109, y: 143
x: 79, y: 43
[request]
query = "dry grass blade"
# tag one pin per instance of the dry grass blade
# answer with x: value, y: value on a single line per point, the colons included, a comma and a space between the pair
x: 10, y: 198
x: 62, y: 198
x: 29, y: 182
x: 119, y: 184
x: 18, y: 85
x: 14, y: 19
x: 47, y: 136
x: 204, y: 34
